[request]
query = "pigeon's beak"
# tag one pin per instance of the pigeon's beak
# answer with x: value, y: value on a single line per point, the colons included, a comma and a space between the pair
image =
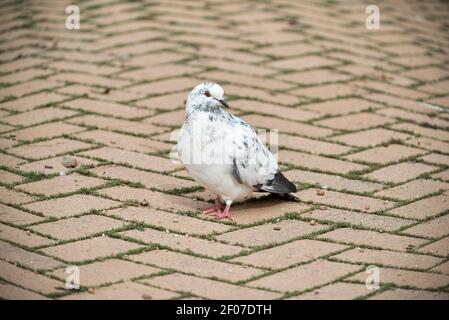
x: 223, y: 102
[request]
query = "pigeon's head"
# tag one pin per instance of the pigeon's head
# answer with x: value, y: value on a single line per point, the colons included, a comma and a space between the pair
x: 207, y: 94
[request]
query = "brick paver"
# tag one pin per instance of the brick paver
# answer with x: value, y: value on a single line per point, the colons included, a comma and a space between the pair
x: 363, y: 133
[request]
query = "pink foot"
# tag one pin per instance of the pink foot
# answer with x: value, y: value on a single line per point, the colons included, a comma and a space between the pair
x: 215, y: 208
x: 226, y: 214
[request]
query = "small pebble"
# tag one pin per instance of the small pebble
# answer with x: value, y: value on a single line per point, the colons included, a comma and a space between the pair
x: 175, y: 220
x: 320, y: 192
x: 47, y: 166
x: 69, y: 162
x: 144, y: 203
x: 147, y: 297
x: 91, y: 290
x: 312, y: 222
x: 277, y: 228
x: 28, y: 232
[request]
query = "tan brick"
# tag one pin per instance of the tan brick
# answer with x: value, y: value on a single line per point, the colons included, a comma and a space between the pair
x: 14, y: 197
x: 443, y: 175
x: 155, y: 199
x: 89, y: 79
x: 184, y: 242
x: 371, y: 137
x: 426, y: 132
x: 414, y: 117
x: 198, y: 266
x: 400, y: 172
x: 305, y: 276
x: 384, y: 155
x: 393, y: 90
x: 312, y: 146
x: 355, y: 202
x: 313, y: 76
x: 167, y: 220
x: 328, y: 91
x: 434, y: 228
x: 443, y: 268
x: 341, y: 106
x: 159, y: 72
x: 413, y: 189
x: 61, y: 184
x: 436, y: 159
x: 172, y: 118
x: 388, y: 258
x: 288, y: 113
x: 53, y: 165
x: 355, y: 122
x: 108, y: 271
x: 335, y: 291
x: 289, y: 254
x: 38, y: 116
x: 124, y: 141
x: 370, y: 221
x: 71, y: 205
x: 48, y: 130
x: 29, y: 259
x: 49, y: 148
x: 302, y: 63
x: 164, y: 86
x: 440, y: 247
x: 268, y: 234
x: 427, y: 73
x: 234, y: 78
x: 422, y: 280
x: 10, y: 161
x: 78, y: 227
x: 405, y: 103
x: 7, y: 177
x: 424, y: 208
x: 108, y: 108
x: 258, y: 121
x: 318, y: 162
x: 134, y: 159
x: 149, y: 179
x: 372, y: 239
x: 89, y: 249
x: 164, y: 102
x: 25, y: 88
x: 116, y: 124
x: 10, y: 292
x: 331, y: 181
x: 124, y: 291
x: 429, y: 144
x: 22, y: 237
x: 29, y: 280
x: 210, y: 289
x: 18, y: 217
x: 403, y: 294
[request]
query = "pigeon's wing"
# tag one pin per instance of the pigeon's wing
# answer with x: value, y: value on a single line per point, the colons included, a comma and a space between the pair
x: 253, y: 164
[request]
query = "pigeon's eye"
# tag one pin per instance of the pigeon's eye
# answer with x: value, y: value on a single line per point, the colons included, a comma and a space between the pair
x: 207, y: 93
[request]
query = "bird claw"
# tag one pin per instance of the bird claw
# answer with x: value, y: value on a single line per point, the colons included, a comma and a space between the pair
x: 211, y: 210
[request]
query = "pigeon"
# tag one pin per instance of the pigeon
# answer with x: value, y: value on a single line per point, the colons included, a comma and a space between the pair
x: 223, y: 153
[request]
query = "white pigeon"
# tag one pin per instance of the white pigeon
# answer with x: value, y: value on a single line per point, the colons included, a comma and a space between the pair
x: 223, y: 153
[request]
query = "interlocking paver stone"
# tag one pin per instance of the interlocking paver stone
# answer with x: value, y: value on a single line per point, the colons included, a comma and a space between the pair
x: 363, y: 134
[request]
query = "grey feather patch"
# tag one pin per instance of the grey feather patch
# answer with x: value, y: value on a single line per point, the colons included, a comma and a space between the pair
x: 279, y: 184
x: 235, y: 172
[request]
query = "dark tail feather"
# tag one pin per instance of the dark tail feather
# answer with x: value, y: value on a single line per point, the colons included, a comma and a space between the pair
x: 279, y: 184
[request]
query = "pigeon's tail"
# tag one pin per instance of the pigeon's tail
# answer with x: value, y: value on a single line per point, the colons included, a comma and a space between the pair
x: 279, y: 184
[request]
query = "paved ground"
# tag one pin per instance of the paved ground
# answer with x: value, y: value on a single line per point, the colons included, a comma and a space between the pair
x: 360, y: 135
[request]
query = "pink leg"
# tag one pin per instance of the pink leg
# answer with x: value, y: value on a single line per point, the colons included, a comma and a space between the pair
x: 215, y: 208
x: 226, y: 214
